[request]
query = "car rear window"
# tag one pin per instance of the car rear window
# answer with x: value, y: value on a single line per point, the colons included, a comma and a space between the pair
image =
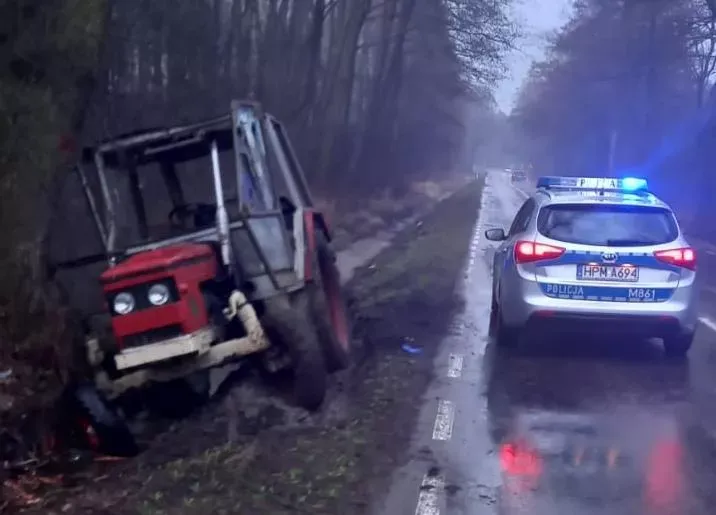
x: 610, y: 225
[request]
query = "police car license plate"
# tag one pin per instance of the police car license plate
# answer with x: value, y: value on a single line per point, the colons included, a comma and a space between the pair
x: 615, y: 273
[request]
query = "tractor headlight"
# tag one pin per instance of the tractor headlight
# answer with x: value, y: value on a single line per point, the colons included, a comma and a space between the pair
x: 123, y: 303
x: 158, y: 295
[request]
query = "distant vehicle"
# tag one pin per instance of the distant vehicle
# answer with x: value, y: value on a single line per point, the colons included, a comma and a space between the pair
x: 518, y: 176
x: 594, y: 254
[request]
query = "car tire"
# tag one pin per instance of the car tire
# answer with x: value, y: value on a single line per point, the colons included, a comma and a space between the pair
x: 291, y: 329
x: 678, y: 346
x: 494, y: 312
x: 505, y: 337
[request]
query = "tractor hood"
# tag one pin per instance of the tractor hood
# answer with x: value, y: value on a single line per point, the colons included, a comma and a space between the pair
x: 157, y: 261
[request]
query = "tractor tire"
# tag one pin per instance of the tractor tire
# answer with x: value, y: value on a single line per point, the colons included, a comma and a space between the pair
x: 285, y: 326
x: 104, y: 428
x: 327, y: 308
x: 677, y: 347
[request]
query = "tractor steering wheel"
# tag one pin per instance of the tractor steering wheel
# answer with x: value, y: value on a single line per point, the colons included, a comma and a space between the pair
x: 203, y: 215
x: 180, y: 214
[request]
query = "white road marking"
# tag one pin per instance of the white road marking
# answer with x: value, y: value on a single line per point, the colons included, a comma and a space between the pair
x: 444, y: 420
x: 432, y: 486
x: 455, y: 366
x: 430, y: 490
x: 708, y: 323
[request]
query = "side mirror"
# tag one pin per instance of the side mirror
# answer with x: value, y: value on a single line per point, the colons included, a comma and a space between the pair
x: 495, y: 234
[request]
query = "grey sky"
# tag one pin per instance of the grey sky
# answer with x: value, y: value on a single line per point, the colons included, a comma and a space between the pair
x: 537, y: 18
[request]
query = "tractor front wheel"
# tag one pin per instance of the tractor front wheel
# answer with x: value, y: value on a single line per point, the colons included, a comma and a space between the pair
x: 285, y: 326
x: 100, y: 425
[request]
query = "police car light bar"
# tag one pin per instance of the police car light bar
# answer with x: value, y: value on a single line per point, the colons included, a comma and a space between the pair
x: 627, y: 184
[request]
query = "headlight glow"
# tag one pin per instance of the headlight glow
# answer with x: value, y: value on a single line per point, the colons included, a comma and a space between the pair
x: 123, y: 303
x: 158, y: 295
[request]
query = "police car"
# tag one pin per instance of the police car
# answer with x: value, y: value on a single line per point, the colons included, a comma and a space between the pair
x: 594, y: 254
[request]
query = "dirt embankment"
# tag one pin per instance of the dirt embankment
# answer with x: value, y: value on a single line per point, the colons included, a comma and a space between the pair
x: 250, y: 453
x: 383, y: 212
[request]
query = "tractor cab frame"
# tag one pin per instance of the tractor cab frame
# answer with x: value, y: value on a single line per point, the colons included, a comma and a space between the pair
x: 247, y: 269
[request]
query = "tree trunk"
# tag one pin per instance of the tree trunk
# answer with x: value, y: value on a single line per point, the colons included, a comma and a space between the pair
x: 315, y: 44
x: 337, y: 97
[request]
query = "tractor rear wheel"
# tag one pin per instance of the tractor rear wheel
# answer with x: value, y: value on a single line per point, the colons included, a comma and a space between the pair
x: 328, y: 308
x: 285, y: 326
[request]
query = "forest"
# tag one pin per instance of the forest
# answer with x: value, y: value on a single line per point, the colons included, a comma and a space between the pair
x: 626, y: 88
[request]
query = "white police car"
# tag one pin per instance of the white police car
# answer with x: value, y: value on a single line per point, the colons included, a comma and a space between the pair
x: 594, y: 254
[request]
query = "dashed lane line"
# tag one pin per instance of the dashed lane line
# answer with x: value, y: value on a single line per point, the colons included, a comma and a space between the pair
x: 444, y: 420
x: 428, y: 498
x: 455, y: 365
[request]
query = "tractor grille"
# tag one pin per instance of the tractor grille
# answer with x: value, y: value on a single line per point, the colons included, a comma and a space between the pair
x: 152, y: 336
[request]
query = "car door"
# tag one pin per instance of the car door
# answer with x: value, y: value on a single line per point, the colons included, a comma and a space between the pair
x: 504, y: 255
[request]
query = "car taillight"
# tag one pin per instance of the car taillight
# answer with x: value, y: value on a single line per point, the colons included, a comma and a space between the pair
x: 529, y: 251
x: 683, y: 257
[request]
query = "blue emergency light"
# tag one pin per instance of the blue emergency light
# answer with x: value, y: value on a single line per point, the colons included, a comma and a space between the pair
x: 626, y: 184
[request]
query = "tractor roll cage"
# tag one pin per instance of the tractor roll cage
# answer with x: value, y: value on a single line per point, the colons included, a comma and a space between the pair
x: 255, y: 137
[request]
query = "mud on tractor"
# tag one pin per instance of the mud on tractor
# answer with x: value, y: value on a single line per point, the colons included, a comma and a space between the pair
x: 214, y: 255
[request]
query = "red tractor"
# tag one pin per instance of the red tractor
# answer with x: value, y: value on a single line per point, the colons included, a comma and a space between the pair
x: 214, y: 257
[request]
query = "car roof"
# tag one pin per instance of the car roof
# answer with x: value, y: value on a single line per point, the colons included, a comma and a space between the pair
x: 645, y: 199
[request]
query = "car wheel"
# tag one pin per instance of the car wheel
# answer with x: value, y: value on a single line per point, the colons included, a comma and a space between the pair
x: 678, y: 346
x: 507, y: 337
x: 494, y: 311
x: 504, y: 335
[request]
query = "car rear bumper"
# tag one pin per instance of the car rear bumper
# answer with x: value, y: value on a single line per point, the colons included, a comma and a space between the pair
x: 618, y: 324
x: 528, y: 305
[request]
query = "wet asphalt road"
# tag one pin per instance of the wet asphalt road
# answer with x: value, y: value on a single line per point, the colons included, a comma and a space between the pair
x: 575, y: 427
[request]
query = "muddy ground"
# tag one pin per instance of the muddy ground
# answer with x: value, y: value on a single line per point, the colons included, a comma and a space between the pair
x: 248, y: 452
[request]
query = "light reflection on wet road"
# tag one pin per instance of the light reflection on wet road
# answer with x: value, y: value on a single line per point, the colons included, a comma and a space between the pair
x: 575, y: 427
